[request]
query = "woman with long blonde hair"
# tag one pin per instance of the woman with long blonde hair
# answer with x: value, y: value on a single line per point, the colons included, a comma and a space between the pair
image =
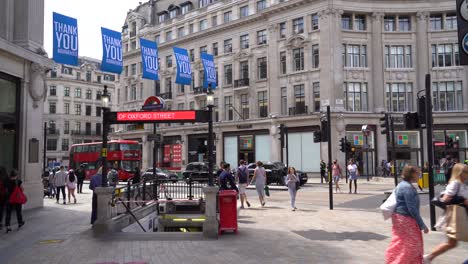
x: 456, y: 187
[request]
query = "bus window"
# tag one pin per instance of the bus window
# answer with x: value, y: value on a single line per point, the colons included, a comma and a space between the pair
x: 79, y: 149
x: 129, y: 147
x: 113, y: 147
x: 85, y: 149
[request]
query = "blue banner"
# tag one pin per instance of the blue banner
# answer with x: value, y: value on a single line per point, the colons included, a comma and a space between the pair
x: 149, y: 58
x: 184, y: 72
x: 209, y: 70
x: 111, y: 51
x: 65, y: 30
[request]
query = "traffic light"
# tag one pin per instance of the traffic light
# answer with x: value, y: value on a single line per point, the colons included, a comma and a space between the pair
x: 411, y: 121
x: 342, y: 145
x: 422, y: 111
x: 347, y: 146
x: 281, y: 128
x: 324, y: 130
x: 317, y: 136
x: 384, y: 124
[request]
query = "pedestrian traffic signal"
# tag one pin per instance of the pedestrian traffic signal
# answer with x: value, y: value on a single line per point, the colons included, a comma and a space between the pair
x: 342, y: 145
x: 281, y: 132
x: 347, y: 146
x: 411, y: 121
x: 422, y: 111
x: 324, y: 130
x: 317, y: 136
x: 384, y: 124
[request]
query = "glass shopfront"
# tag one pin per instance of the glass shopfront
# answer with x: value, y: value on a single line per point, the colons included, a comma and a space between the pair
x: 9, y: 90
x: 363, y: 151
x: 451, y: 143
x: 407, y: 149
x: 248, y: 147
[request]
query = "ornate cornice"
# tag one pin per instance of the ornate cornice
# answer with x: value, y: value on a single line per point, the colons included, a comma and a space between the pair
x: 296, y: 41
x: 422, y: 16
x: 377, y: 16
x: 324, y: 14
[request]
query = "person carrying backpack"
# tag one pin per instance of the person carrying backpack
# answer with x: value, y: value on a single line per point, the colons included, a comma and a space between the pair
x: 243, y: 180
x: 71, y: 185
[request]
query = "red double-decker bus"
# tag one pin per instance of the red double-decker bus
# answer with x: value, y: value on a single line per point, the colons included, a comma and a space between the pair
x: 125, y: 154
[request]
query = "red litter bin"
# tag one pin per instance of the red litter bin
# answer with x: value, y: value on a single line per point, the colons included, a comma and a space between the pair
x: 227, y: 211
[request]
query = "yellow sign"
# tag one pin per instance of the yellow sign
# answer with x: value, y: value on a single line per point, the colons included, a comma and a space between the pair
x: 104, y: 152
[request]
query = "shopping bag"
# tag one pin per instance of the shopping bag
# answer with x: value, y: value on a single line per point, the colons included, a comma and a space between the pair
x: 388, y: 207
x: 267, y: 190
x: 457, y: 223
x: 17, y: 196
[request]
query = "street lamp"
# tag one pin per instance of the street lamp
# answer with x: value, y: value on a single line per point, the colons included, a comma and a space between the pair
x: 105, y: 98
x: 210, y: 105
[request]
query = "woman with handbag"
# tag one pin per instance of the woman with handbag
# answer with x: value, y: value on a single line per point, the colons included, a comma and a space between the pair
x: 455, y: 188
x: 260, y: 180
x: 15, y: 201
x: 407, y: 241
x: 291, y: 182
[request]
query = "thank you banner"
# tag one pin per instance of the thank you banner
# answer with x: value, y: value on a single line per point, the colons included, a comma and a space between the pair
x: 209, y: 70
x: 111, y: 51
x: 184, y: 72
x: 65, y: 39
x: 149, y: 58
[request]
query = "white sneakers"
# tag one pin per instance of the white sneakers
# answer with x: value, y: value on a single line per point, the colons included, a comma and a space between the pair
x: 426, y: 259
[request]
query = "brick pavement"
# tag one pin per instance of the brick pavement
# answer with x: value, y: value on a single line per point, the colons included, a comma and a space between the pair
x: 352, y: 233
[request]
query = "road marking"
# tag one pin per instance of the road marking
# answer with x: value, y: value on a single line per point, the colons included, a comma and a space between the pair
x: 51, y: 241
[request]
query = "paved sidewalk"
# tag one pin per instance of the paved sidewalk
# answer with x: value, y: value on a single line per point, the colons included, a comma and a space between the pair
x: 352, y: 233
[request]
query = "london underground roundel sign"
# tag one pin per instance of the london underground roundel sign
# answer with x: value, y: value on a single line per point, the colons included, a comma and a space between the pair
x: 464, y: 10
x: 153, y: 103
x: 465, y: 43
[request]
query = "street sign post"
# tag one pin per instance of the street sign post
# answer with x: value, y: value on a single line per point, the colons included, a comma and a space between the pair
x: 462, y: 24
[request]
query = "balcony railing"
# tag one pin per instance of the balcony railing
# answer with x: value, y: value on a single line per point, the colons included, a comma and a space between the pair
x: 86, y: 133
x: 199, y: 90
x: 241, y: 82
x: 298, y: 110
x: 166, y: 96
x: 53, y: 131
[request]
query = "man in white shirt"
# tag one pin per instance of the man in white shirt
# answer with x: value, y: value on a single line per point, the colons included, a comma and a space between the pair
x: 60, y: 182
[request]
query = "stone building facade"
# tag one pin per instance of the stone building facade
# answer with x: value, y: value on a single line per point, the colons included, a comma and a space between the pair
x: 23, y: 68
x: 282, y: 62
x: 73, y: 107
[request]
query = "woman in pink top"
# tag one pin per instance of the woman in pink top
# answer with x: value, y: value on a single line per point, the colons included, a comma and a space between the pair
x: 336, y: 173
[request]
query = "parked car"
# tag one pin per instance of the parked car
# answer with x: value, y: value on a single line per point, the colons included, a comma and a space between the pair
x: 162, y: 175
x: 302, y: 175
x: 273, y: 171
x: 198, y: 171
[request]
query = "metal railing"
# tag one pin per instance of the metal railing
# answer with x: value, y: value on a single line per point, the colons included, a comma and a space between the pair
x: 298, y: 110
x: 166, y: 96
x: 241, y: 82
x: 199, y: 90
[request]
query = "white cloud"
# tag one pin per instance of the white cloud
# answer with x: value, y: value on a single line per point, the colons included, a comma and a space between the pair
x: 91, y: 16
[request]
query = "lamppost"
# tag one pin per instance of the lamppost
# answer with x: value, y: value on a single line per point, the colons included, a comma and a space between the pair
x: 105, y: 98
x: 210, y: 105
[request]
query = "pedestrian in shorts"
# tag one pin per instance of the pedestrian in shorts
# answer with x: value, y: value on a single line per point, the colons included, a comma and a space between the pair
x: 243, y: 180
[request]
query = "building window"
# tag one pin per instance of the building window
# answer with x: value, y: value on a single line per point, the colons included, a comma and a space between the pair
x: 169, y: 61
x: 180, y: 32
x: 66, y: 108
x: 89, y: 94
x: 360, y: 22
x: 66, y: 127
x: 389, y: 23
x: 214, y: 21
x: 227, y: 45
x: 316, y: 95
x: 185, y: 9
x: 244, y: 69
x: 215, y: 49
x: 436, y: 22
x: 244, y: 41
x: 52, y: 107
x: 354, y: 56
x: 161, y: 18
x: 261, y: 5
x: 67, y: 92
x: 445, y: 55
x: 168, y: 84
x: 298, y: 59
x: 229, y: 114
x: 356, y: 96
x: 77, y: 109
x: 283, y: 62
x: 447, y: 96
x: 315, y: 21
x: 203, y: 49
x: 315, y: 56
x: 141, y: 91
x: 261, y: 37
x: 88, y: 110
x: 299, y: 98
x: 173, y: 13
x: 282, y: 30
x: 180, y: 106
x: 451, y: 21
x: 228, y: 74
x: 52, y: 144
x: 404, y: 23
x: 157, y: 39
x: 98, y: 95
x: 77, y: 92
x: 53, y: 91
x: 227, y: 16
x: 399, y: 97
x: 192, y: 86
x: 262, y: 68
x: 262, y: 104
x: 169, y: 35
x: 191, y: 28
x: 398, y: 57
x: 77, y: 127
x: 245, y: 106
x: 298, y: 25
x: 284, y: 101
x: 181, y: 88
x: 65, y: 144
x: 126, y: 69
x: 98, y: 129
x: 133, y: 92
x: 98, y: 111
x: 244, y: 11
x: 347, y: 22
x: 88, y: 128
x: 192, y: 55
x: 203, y: 24
x: 192, y: 105
x: 67, y: 70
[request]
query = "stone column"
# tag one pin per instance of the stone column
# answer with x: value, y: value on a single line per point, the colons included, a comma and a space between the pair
x: 422, y: 52
x: 104, y: 196
x: 211, y: 224
x: 376, y: 91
